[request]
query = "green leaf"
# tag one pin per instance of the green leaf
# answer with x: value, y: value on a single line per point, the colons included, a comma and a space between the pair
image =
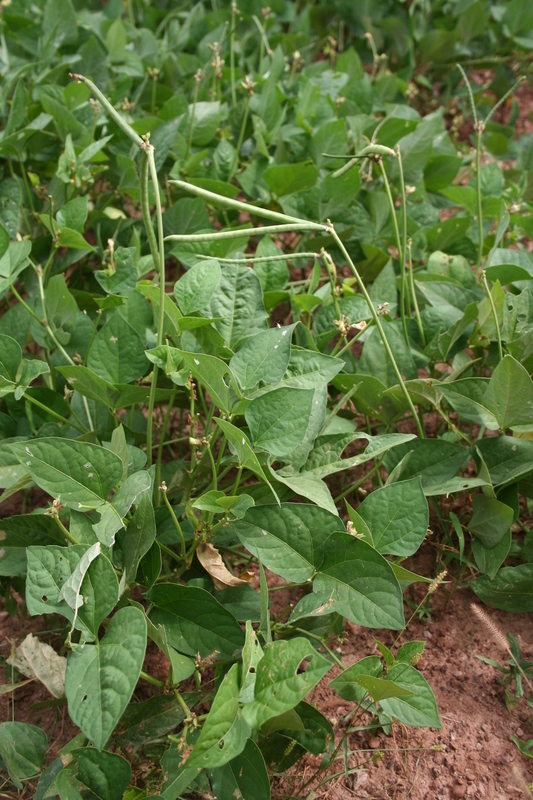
x: 284, y: 179
x: 107, y: 775
x: 467, y: 397
x: 112, y: 513
x: 117, y: 352
x: 4, y: 241
x: 420, y: 708
x: 151, y: 719
x: 356, y: 581
x: 289, y: 540
x: 279, y: 686
x: 211, y: 372
x: 347, y: 684
x: 435, y: 460
x: 243, y: 449
x: 73, y: 239
x: 245, y: 776
x: 278, y: 420
x: 194, y: 620
x: 309, y: 370
x: 510, y: 395
x: 397, y: 516
x: 98, y: 593
x: 87, y: 383
x: 491, y: 519
x: 21, y: 531
x: 375, y: 361
x: 511, y: 589
x: 22, y: 748
x: 101, y: 678
x: 308, y: 485
x: 238, y: 301
x: 140, y: 536
x: 74, y: 214
x: 195, y: 288
x: 410, y: 652
x: 82, y: 474
x: 325, y: 457
x: 10, y: 358
x: 224, y: 732
x: 273, y: 275
x: 489, y: 560
x: 507, y: 457
x: 206, y: 122
x: 382, y: 689
x: 263, y: 358
x: 124, y: 278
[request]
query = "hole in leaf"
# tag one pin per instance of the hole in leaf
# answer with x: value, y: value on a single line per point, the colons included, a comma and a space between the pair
x: 84, y: 698
x: 44, y: 598
x: 221, y: 744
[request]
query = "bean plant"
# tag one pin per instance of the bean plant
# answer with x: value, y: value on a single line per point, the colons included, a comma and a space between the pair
x: 260, y: 306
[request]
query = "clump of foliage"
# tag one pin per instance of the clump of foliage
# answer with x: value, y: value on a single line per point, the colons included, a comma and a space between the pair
x: 237, y: 264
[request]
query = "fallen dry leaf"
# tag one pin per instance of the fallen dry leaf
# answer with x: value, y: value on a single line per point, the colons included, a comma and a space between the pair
x: 35, y: 659
x: 212, y: 562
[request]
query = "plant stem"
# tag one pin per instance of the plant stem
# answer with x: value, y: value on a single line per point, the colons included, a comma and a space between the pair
x: 53, y: 413
x: 149, y: 149
x: 399, y: 245
x: 176, y: 525
x: 379, y: 326
x: 191, y: 128
x: 480, y: 129
x: 403, y: 283
x: 145, y: 209
x: 494, y: 313
x: 66, y: 533
x: 234, y: 11
x: 413, y: 293
x: 162, y: 443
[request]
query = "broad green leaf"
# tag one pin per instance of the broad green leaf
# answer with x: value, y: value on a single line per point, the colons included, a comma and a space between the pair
x: 150, y: 719
x: 375, y: 361
x: 491, y: 519
x: 245, y: 776
x: 510, y: 395
x: 263, y: 358
x: 124, y: 277
x: 284, y: 179
x: 73, y: 214
x: 325, y: 457
x: 87, y: 383
x: 243, y: 449
x: 279, y: 686
x: 106, y: 774
x: 238, y: 301
x: 382, y: 689
x: 397, y: 516
x: 511, y: 589
x: 317, y: 734
x: 195, y: 622
x: 347, y: 685
x: 306, y: 484
x: 81, y: 474
x: 101, y: 677
x: 10, y: 358
x: 224, y: 732
x: 467, y: 397
x: 195, y: 288
x: 117, y: 352
x: 435, y: 460
x: 489, y: 560
x: 21, y: 531
x: 273, y: 275
x: 356, y: 581
x: 288, y: 539
x: 278, y: 420
x: 410, y: 652
x: 252, y: 653
x: 49, y: 568
x: 112, y: 513
x: 140, y: 536
x: 507, y: 457
x: 210, y: 371
x: 308, y: 370
x: 22, y: 748
x: 70, y: 590
x: 420, y: 708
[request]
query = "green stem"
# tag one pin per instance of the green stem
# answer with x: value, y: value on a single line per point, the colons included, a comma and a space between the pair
x: 237, y: 481
x: 480, y: 127
x: 191, y: 127
x: 53, y: 413
x: 154, y: 681
x: 162, y: 443
x: 161, y: 316
x: 66, y: 533
x: 494, y: 313
x: 403, y: 283
x: 234, y: 11
x: 123, y: 125
x: 379, y: 326
x: 413, y: 293
x: 176, y: 525
x: 399, y: 246
x: 213, y: 467
x: 357, y: 484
